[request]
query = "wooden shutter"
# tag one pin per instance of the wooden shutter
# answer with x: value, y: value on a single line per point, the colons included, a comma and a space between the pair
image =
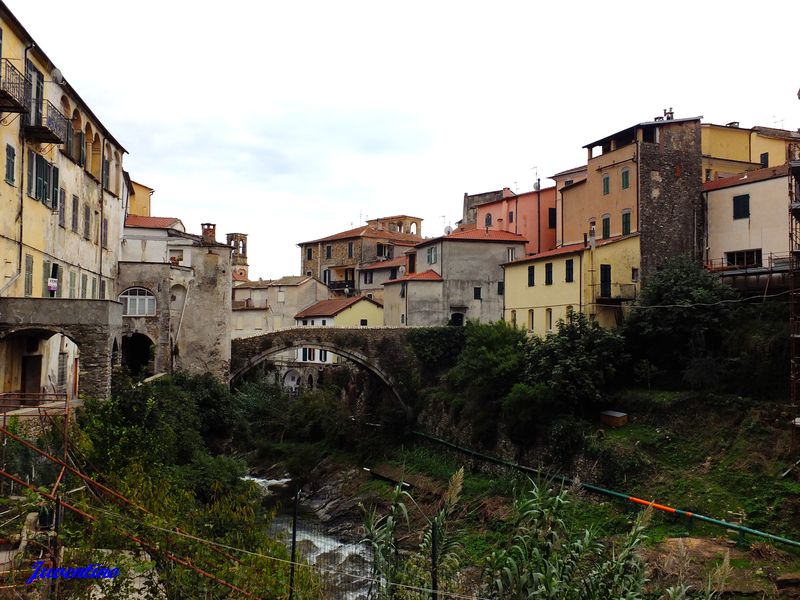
x: 31, y: 172
x: 54, y: 187
x: 45, y: 276
x: 82, y: 149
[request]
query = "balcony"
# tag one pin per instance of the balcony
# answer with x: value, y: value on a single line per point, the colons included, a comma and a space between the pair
x: 47, y: 126
x: 615, y: 293
x: 14, y: 88
x: 341, y: 285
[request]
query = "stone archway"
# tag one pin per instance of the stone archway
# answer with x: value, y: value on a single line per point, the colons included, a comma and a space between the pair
x: 138, y: 353
x: 347, y: 353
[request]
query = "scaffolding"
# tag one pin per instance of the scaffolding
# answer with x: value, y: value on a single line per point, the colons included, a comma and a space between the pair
x: 794, y: 290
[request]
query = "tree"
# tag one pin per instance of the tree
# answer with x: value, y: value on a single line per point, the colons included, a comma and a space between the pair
x: 577, y: 361
x: 681, y: 315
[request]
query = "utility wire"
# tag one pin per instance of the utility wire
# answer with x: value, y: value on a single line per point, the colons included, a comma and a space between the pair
x: 289, y: 562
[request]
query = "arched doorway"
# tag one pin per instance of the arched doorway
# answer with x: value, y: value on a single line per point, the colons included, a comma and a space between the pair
x: 138, y: 354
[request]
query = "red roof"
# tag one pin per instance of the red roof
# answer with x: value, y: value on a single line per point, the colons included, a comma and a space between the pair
x: 749, y: 177
x: 429, y: 275
x: 568, y: 249
x: 398, y: 261
x: 332, y: 307
x: 151, y: 222
x: 370, y: 231
x: 478, y: 235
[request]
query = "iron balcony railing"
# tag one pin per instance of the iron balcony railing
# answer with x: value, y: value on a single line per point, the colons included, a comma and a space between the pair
x: 14, y: 400
x: 774, y: 261
x: 46, y: 125
x: 340, y: 285
x: 14, y: 88
x: 617, y: 291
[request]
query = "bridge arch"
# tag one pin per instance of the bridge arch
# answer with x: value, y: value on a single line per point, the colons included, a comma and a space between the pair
x: 348, y: 353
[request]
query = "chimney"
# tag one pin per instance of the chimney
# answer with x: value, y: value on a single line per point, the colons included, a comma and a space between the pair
x: 209, y: 233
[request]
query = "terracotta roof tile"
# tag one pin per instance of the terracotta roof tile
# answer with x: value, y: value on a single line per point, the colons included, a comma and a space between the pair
x: 477, y: 235
x: 429, y: 275
x: 398, y: 261
x: 370, y: 231
x: 744, y: 178
x: 569, y: 249
x: 332, y: 307
x: 151, y: 222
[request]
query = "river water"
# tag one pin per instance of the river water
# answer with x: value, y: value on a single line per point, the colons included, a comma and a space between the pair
x: 344, y: 567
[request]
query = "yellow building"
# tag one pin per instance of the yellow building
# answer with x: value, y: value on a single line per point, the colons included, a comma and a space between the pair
x: 139, y: 200
x: 355, y: 311
x: 598, y: 279
x: 62, y: 202
x: 729, y: 149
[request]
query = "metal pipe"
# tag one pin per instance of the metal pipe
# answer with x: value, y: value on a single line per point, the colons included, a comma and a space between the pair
x: 622, y: 496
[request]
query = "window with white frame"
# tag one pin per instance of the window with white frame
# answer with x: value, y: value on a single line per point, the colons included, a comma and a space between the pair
x: 138, y: 302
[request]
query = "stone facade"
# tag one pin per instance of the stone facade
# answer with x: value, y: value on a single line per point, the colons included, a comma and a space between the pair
x: 670, y: 202
x: 472, y: 201
x: 94, y: 325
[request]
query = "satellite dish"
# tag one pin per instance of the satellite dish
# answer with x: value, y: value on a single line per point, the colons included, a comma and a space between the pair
x: 448, y: 230
x: 401, y: 270
x: 57, y: 76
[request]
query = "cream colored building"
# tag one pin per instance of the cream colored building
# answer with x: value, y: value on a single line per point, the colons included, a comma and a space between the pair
x: 62, y: 202
x: 747, y: 220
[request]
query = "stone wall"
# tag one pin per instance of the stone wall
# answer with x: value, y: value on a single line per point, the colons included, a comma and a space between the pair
x: 92, y: 324
x: 670, y: 215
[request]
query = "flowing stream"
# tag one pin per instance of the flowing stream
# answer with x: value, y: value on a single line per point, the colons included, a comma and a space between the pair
x: 343, y: 566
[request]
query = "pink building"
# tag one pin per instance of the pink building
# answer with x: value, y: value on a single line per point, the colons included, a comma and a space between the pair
x: 531, y: 215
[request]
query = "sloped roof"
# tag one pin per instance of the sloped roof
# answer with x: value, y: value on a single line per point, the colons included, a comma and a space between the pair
x: 370, y: 231
x: 748, y: 177
x: 569, y: 249
x: 477, y: 235
x: 332, y: 307
x: 398, y: 261
x: 429, y: 275
x: 152, y: 222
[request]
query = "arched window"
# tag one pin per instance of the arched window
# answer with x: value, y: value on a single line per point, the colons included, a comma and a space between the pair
x: 488, y: 220
x: 138, y: 302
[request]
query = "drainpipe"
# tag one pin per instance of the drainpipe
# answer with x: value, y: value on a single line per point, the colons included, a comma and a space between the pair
x: 516, y: 214
x: 28, y: 48
x: 580, y: 282
x: 103, y: 183
x: 539, y: 214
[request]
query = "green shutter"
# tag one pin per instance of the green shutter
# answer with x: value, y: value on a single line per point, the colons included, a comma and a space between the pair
x: 31, y: 171
x: 54, y: 183
x: 45, y: 276
x: 82, y: 149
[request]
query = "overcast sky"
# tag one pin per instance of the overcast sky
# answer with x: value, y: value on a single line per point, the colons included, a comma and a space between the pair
x: 290, y: 120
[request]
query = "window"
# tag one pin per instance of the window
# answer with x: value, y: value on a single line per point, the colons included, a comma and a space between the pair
x: 363, y: 323
x: 510, y: 216
x: 530, y: 319
x: 75, y: 205
x: 104, y: 235
x: 305, y: 322
x: 765, y: 159
x: 85, y: 285
x: 102, y: 289
x: 312, y: 322
x: 72, y: 284
x: 476, y: 293
x: 308, y: 273
x: 531, y: 276
x: 323, y: 356
x: 368, y: 276
x: 549, y: 319
x: 708, y: 174
x: 87, y: 222
x: 328, y: 251
x: 511, y: 254
x: 513, y: 318
x: 379, y: 250
x: 137, y: 302
x: 62, y: 371
x: 94, y: 288
x: 626, y: 223
x: 324, y: 322
x: 744, y: 258
x: 349, y: 249
x: 281, y: 295
x: 551, y: 218
x: 326, y: 276
x: 487, y: 221
x: 605, y: 281
x: 741, y: 207
x: 606, y: 227
x: 312, y: 352
x: 433, y: 255
x: 501, y: 288
x: 626, y: 179
x: 28, y: 275
x: 36, y: 79
x: 412, y: 262
x: 548, y: 274
x: 634, y: 274
x: 62, y: 207
x: 305, y: 354
x: 569, y: 275
x: 393, y: 273
x: 45, y: 276
x: 402, y: 318
x: 606, y: 185
x: 11, y: 156
x: 309, y: 253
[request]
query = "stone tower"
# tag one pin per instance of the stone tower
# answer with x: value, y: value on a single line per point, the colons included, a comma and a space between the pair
x: 239, y: 257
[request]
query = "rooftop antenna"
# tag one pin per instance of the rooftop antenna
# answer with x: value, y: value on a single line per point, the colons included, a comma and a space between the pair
x: 535, y: 169
x: 516, y: 187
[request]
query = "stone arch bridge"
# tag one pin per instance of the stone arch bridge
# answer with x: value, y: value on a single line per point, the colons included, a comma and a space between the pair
x: 382, y: 351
